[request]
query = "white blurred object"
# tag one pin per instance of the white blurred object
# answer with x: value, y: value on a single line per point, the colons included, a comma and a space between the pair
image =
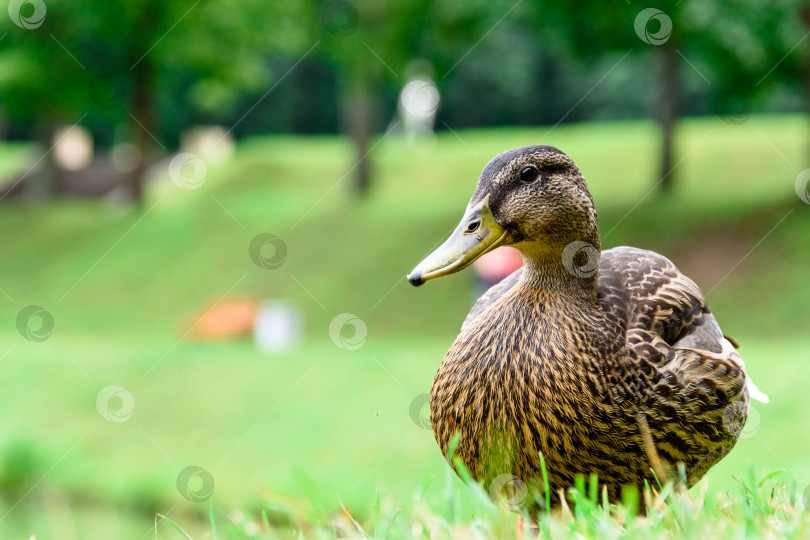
x: 211, y: 143
x: 73, y: 147
x: 278, y: 327
x: 418, y: 102
x: 755, y: 393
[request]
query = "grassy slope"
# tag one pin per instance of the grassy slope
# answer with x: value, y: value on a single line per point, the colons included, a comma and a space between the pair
x: 342, y: 416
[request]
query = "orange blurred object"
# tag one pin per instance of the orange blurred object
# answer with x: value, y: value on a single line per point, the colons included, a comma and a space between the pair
x: 229, y: 319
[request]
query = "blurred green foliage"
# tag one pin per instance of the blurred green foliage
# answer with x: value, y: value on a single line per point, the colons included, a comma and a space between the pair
x: 292, y: 63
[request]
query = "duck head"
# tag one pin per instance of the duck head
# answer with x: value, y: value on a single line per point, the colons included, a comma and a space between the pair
x: 534, y: 199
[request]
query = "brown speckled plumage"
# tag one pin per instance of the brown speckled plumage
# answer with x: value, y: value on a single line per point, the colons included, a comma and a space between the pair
x: 572, y: 363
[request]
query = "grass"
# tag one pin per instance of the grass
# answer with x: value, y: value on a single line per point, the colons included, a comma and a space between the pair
x: 14, y: 158
x: 762, y: 508
x: 299, y: 433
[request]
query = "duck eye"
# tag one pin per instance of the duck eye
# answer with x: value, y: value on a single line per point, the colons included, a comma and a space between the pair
x: 528, y: 174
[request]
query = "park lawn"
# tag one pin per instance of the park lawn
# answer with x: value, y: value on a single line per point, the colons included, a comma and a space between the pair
x: 267, y: 427
x: 99, y: 268
x: 122, y: 287
x: 15, y: 158
x: 345, y: 425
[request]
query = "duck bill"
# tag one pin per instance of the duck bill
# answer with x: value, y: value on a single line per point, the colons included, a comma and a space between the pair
x: 477, y: 234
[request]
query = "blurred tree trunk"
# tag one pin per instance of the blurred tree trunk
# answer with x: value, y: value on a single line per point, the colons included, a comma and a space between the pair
x: 358, y: 120
x: 804, y: 14
x: 667, y: 109
x: 40, y: 183
x: 3, y: 124
x: 141, y: 109
x: 141, y: 106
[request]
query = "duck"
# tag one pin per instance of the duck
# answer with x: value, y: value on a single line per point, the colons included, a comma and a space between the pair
x: 607, y: 365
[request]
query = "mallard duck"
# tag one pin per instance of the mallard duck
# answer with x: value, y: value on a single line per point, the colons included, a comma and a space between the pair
x: 593, y: 362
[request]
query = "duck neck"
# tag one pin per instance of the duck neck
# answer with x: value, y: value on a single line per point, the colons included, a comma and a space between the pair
x: 570, y: 270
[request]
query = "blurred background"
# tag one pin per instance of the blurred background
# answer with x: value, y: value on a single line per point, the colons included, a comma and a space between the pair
x: 208, y: 210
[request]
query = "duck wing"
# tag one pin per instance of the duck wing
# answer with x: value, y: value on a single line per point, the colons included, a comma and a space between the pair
x: 658, y: 301
x: 687, y: 379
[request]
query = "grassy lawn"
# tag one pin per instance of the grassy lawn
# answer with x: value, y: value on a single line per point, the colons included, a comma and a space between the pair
x: 299, y: 432
x: 15, y: 158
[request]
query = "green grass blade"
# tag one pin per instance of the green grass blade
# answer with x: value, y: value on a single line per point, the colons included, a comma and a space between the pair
x: 266, y: 521
x: 173, y: 524
x: 546, y: 487
x: 213, y: 524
